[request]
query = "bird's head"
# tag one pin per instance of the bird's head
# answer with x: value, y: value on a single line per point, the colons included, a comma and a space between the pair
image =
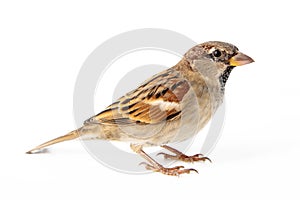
x: 216, y: 59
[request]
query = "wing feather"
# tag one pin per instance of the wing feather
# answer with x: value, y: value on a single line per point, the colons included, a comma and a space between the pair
x: 156, y: 100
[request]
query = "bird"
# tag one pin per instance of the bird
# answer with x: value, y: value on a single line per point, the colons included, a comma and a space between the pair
x: 171, y: 106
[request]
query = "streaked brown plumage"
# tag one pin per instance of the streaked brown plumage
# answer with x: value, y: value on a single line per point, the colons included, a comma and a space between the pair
x: 171, y: 106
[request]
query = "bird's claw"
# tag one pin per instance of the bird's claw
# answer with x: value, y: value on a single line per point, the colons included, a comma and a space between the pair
x: 173, y: 171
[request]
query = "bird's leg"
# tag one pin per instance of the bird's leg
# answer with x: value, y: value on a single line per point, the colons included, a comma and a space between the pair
x: 181, y: 156
x: 156, y: 167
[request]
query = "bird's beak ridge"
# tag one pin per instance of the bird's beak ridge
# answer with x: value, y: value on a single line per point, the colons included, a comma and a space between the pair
x: 240, y: 59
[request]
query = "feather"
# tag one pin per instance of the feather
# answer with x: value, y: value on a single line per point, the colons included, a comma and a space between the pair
x: 156, y: 100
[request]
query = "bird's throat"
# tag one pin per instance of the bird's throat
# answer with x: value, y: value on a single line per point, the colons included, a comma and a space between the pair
x: 224, y: 76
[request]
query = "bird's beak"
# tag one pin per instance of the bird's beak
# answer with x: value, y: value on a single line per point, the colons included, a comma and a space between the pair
x: 240, y: 59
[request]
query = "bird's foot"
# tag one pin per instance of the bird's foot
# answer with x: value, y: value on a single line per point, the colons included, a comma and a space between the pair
x: 173, y: 171
x: 181, y: 156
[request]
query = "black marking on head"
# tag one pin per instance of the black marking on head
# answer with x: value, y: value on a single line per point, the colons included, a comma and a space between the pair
x: 223, y: 57
x: 219, y: 51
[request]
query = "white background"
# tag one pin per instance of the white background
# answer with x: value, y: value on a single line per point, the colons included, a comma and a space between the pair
x: 42, y: 48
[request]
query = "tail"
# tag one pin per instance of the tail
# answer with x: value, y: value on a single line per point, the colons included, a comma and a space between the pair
x: 70, y: 136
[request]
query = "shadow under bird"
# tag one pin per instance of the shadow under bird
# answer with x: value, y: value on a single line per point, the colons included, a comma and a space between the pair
x: 169, y: 107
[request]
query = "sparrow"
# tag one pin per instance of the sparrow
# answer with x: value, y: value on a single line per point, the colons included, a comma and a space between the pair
x: 169, y: 107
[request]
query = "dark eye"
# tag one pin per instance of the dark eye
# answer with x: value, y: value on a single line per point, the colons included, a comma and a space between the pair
x: 217, y: 53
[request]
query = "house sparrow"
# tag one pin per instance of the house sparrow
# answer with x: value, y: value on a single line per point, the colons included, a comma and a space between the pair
x: 171, y: 106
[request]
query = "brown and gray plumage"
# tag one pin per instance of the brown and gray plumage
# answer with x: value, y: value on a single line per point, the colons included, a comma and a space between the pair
x: 171, y: 106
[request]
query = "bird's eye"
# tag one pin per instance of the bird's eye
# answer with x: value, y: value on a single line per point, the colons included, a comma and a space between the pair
x: 217, y: 53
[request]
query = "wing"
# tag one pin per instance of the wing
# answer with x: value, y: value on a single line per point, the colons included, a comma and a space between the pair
x: 156, y: 100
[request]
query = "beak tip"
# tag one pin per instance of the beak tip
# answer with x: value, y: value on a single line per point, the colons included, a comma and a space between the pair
x: 251, y: 60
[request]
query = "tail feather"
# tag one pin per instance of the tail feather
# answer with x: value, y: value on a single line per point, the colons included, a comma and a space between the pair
x: 70, y: 136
